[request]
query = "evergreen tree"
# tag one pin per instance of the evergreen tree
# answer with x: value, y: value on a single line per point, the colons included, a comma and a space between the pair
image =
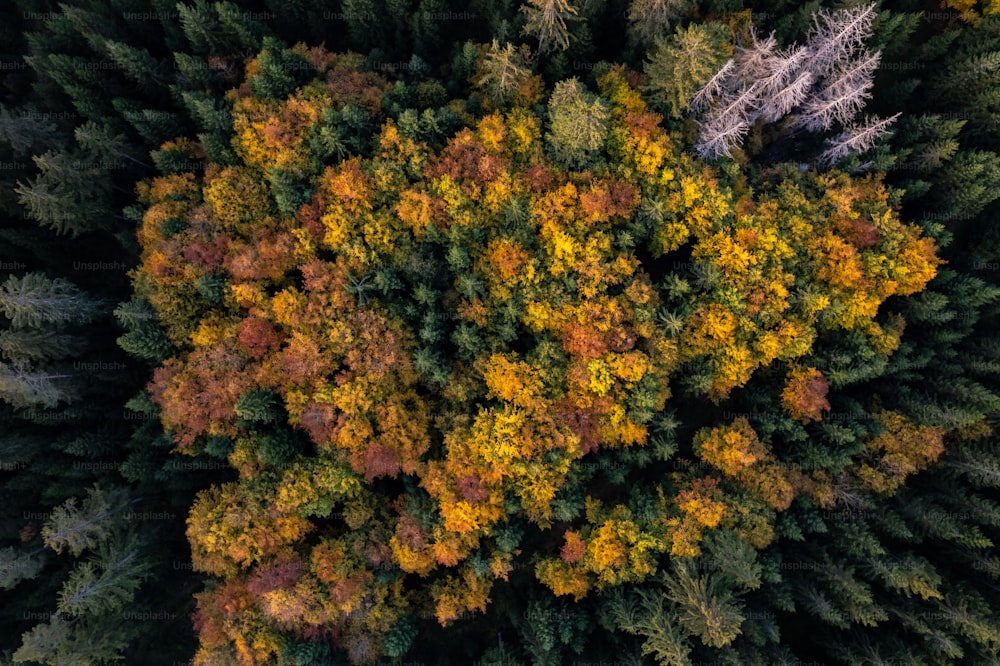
x: 651, y: 20
x: 34, y: 300
x: 578, y: 124
x: 501, y: 72
x: 683, y: 63
x: 546, y: 20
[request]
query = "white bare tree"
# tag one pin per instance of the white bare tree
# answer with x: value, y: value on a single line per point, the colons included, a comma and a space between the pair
x: 725, y: 126
x: 780, y: 102
x: 842, y: 95
x: 719, y: 136
x: 835, y: 36
x: 828, y: 81
x: 856, y: 139
x: 714, y: 88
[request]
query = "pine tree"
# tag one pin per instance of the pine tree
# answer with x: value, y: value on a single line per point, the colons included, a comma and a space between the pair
x: 578, y: 124
x: 104, y: 584
x: 70, y: 194
x: 85, y: 527
x: 201, y: 26
x: 17, y: 566
x: 546, y: 20
x: 501, y: 72
x: 684, y: 63
x: 704, y: 608
x: 841, y: 95
x: 139, y: 65
x: 88, y: 643
x: 24, y: 387
x: 856, y: 139
x: 836, y: 36
x: 144, y: 337
x: 34, y: 300
x: 651, y: 20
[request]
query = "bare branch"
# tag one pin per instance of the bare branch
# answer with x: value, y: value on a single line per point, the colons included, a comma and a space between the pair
x: 842, y: 96
x: 856, y: 139
x: 835, y: 36
x: 715, y: 88
x: 780, y: 103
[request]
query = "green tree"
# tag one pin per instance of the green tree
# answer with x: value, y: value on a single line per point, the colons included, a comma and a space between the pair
x: 501, y: 72
x: 651, y: 20
x: 680, y: 64
x: 578, y: 124
x: 34, y: 300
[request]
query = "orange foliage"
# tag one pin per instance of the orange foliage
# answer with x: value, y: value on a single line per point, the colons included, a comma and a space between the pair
x: 805, y: 394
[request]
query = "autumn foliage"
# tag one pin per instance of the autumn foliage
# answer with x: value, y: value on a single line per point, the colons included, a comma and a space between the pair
x: 435, y: 344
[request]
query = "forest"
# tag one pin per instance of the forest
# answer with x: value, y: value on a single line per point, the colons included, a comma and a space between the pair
x: 499, y: 332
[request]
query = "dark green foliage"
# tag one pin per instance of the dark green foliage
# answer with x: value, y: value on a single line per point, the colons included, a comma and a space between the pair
x: 258, y: 407
x: 281, y: 71
x: 143, y: 338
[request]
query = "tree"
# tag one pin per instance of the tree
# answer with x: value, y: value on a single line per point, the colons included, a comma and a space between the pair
x: 683, y: 63
x: 79, y: 528
x: 836, y: 36
x: 37, y: 345
x: 104, y: 585
x: 856, y: 139
x: 841, y: 95
x: 17, y: 566
x: 34, y: 300
x: 546, y: 20
x: 578, y: 124
x: 502, y: 72
x: 23, y: 386
x: 650, y: 20
x: 827, y: 80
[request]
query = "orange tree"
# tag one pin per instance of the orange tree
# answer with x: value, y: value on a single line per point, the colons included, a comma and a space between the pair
x: 440, y: 359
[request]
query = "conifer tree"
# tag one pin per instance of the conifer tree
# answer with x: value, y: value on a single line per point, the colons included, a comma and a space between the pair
x: 546, y: 20
x: 23, y: 386
x: 683, y: 63
x: 501, y: 72
x: 34, y: 300
x: 651, y: 20
x: 578, y: 124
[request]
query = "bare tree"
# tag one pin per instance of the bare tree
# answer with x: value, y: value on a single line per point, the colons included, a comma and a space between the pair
x: 780, y: 102
x: 842, y: 96
x: 781, y: 68
x: 856, y: 139
x: 725, y: 127
x: 828, y: 80
x: 835, y: 36
x: 715, y: 87
x: 754, y: 61
x: 719, y: 136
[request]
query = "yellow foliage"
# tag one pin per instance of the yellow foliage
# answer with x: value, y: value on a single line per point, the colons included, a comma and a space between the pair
x: 601, y: 379
x: 903, y: 449
x: 492, y: 133
x: 730, y: 448
x: 288, y: 306
x: 457, y: 594
x: 562, y: 578
x: 211, y: 331
x: 525, y: 132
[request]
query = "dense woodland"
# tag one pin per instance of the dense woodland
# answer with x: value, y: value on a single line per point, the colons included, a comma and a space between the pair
x: 431, y: 332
